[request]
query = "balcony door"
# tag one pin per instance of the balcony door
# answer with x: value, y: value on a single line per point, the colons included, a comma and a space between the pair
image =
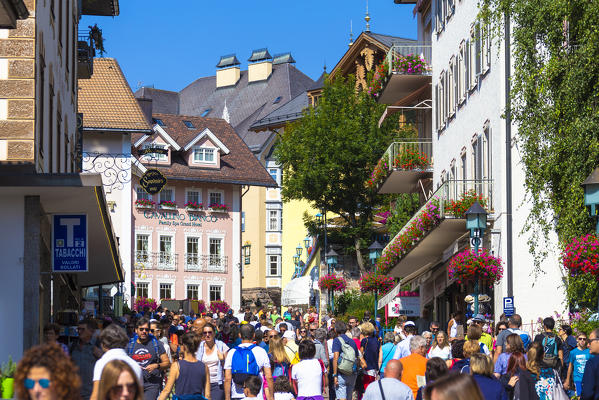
x: 166, y: 257
x: 216, y: 254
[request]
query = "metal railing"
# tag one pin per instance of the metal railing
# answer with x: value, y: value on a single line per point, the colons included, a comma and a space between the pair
x: 415, y: 147
x: 205, y: 263
x: 159, y: 260
x: 192, y: 262
x: 400, y: 50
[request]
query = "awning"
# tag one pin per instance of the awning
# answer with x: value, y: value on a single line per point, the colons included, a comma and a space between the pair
x: 297, y: 291
x: 76, y: 194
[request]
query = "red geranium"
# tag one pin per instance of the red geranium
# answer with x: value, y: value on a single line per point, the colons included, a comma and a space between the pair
x: 581, y: 256
x: 468, y: 266
x: 371, y: 282
x: 332, y: 282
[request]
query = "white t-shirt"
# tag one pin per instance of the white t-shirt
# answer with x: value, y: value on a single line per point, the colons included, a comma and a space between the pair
x: 262, y: 361
x: 284, y: 396
x: 308, y: 374
x: 116, y: 354
x: 403, y: 348
x: 330, y: 348
x: 443, y: 353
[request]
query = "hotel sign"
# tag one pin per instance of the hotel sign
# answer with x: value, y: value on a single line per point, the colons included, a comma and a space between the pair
x: 152, y: 181
x: 69, y: 243
x: 174, y: 218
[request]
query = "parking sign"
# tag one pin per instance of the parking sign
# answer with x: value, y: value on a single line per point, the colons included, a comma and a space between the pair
x: 69, y: 243
x: 508, y: 306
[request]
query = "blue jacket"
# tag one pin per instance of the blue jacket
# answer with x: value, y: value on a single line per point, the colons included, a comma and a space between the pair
x: 491, y: 388
x: 590, y: 379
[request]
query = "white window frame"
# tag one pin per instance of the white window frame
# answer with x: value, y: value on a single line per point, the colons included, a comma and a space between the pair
x: 461, y: 77
x: 487, y: 151
x: 269, y: 227
x: 144, y: 281
x: 166, y: 282
x: 199, y: 260
x: 167, y: 266
x: 474, y: 64
x: 451, y: 103
x: 439, y: 16
x: 442, y: 115
x: 198, y: 284
x: 450, y: 8
x: 485, y: 34
x: 209, y: 266
x: 163, y: 191
x: 268, y: 265
x: 219, y: 284
x: 149, y: 251
x: 222, y: 195
x: 277, y: 177
x: 463, y: 165
x: 139, y: 189
x: 155, y: 157
x: 203, y: 149
x: 197, y: 190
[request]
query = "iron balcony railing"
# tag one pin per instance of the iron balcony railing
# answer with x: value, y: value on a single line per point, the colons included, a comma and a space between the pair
x: 410, y: 154
x: 159, y: 260
x: 399, y: 51
x: 195, y: 262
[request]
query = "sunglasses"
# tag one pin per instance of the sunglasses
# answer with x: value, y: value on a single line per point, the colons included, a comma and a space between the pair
x: 155, y: 330
x: 118, y: 389
x: 206, y: 333
x: 144, y: 329
x: 30, y: 383
x: 302, y: 331
x: 272, y: 336
x: 581, y: 338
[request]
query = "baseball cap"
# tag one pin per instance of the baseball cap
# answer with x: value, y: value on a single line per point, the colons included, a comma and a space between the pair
x: 409, y: 323
x: 289, y: 335
x: 478, y: 317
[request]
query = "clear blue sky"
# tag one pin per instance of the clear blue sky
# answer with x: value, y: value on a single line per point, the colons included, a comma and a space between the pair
x: 170, y: 43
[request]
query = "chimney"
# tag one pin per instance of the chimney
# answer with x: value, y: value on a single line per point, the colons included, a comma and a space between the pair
x: 283, y: 58
x: 260, y: 67
x: 227, y: 73
x: 146, y: 108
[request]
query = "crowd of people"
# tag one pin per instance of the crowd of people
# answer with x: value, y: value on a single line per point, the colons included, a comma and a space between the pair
x: 259, y: 353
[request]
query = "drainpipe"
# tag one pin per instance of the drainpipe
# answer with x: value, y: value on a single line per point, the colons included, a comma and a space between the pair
x: 508, y: 158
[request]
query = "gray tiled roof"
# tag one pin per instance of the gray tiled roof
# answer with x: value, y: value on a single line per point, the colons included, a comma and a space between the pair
x: 289, y: 111
x: 388, y: 40
x: 163, y: 101
x: 227, y: 61
x: 259, y: 55
x: 319, y: 84
x: 283, y: 58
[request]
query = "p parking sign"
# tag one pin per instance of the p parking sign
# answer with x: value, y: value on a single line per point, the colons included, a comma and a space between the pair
x: 508, y: 306
x: 69, y: 243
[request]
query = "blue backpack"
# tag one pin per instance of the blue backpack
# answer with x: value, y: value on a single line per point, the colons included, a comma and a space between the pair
x: 243, y: 364
x: 279, y: 369
x: 131, y: 345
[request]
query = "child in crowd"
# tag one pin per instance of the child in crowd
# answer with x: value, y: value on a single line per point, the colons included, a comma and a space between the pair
x: 252, y: 386
x: 283, y: 389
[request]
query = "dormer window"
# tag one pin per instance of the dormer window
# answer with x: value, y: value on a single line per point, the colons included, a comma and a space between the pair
x: 189, y: 125
x: 204, y: 155
x: 206, y: 112
x: 158, y: 121
x: 155, y: 156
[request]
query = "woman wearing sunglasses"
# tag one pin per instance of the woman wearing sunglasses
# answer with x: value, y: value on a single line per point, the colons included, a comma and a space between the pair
x: 46, y: 373
x: 213, y: 352
x: 118, y: 382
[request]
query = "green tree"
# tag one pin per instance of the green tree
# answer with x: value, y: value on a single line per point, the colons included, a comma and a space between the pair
x: 555, y: 100
x: 328, y: 155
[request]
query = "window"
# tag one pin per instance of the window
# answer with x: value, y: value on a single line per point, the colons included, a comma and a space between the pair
x: 437, y: 108
x: 474, y: 50
x: 485, y: 48
x: 274, y: 263
x: 204, y: 154
x: 189, y: 124
x: 478, y: 158
x: 277, y: 100
x: 142, y: 247
x: 461, y: 74
x: 215, y: 292
x: 193, y: 291
x: 243, y: 221
x: 486, y: 153
x: 440, y: 17
x: 450, y: 7
x: 192, y: 256
x: 142, y: 194
x: 215, y: 254
x: 166, y: 291
x: 167, y: 195
x: 158, y: 121
x: 451, y: 88
x: 194, y: 196
x: 274, y: 173
x: 155, y: 156
x: 206, y: 112
x: 141, y: 289
x: 463, y: 166
x: 216, y: 198
x: 166, y: 257
x: 273, y: 220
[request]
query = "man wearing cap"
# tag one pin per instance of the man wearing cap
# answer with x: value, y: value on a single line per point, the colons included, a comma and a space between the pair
x: 485, y: 338
x: 403, y: 348
x: 290, y: 346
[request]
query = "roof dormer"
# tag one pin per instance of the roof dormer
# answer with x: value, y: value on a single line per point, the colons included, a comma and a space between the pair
x: 205, y: 150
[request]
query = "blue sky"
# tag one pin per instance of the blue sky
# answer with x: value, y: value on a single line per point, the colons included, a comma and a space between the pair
x: 170, y: 43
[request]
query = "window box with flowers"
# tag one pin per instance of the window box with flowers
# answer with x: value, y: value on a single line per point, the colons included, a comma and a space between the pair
x: 168, y: 205
x: 144, y: 204
x: 332, y: 282
x: 193, y: 206
x: 218, y: 208
x: 407, y: 159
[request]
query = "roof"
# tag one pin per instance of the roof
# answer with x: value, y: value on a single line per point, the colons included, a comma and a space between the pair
x: 239, y: 166
x: 388, y: 40
x: 106, y: 100
x: 289, y: 111
x: 163, y: 101
x: 283, y: 58
x: 319, y: 84
x: 246, y: 102
x: 259, y: 55
x: 227, y: 61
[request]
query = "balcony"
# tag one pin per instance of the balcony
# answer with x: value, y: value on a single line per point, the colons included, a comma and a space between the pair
x: 195, y: 262
x: 107, y: 8
x: 409, y: 73
x: 85, y: 56
x: 160, y: 260
x: 439, y: 223
x: 403, y: 166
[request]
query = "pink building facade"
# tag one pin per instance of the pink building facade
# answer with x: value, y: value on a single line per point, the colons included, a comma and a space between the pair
x: 187, y: 238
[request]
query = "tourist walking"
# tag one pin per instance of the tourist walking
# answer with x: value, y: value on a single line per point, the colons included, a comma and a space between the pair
x: 345, y: 355
x: 435, y: 369
x: 454, y: 387
x: 517, y: 380
x: 403, y: 348
x: 440, y: 347
x: 118, y: 382
x: 309, y: 375
x: 481, y: 368
x: 552, y: 345
x: 390, y: 387
x: 590, y: 378
x: 512, y: 344
x: 514, y: 324
x: 546, y: 377
x: 84, y: 354
x: 387, y: 351
x: 369, y: 350
x: 414, y: 365
x: 213, y: 353
x: 189, y: 376
x: 577, y: 360
x: 279, y: 362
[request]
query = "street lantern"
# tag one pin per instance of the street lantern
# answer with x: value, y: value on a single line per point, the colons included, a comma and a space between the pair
x: 307, y: 241
x: 298, y: 250
x: 296, y: 259
x: 374, y: 251
x: 319, y: 218
x: 331, y: 257
x: 476, y: 222
x: 591, y: 196
x: 246, y: 249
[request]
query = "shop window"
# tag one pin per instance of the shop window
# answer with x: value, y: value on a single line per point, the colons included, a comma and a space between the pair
x: 166, y: 291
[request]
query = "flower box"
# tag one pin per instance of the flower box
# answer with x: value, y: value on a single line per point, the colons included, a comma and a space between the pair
x: 143, y: 203
x: 193, y: 206
x: 222, y: 208
x: 581, y: 256
x: 373, y: 282
x: 168, y: 205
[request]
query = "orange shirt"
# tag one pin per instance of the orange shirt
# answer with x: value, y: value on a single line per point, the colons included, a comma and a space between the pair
x: 413, y: 365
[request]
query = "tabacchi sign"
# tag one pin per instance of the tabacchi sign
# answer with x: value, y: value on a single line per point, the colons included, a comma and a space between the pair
x: 152, y: 181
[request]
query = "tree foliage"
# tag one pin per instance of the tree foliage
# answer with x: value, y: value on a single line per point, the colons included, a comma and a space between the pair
x: 328, y: 155
x: 554, y: 102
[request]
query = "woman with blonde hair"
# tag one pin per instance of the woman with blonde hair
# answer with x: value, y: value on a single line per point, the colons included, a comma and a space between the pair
x: 481, y: 368
x: 470, y: 347
x: 369, y: 352
x: 440, y: 347
x: 118, y: 382
x: 453, y: 387
x: 279, y: 362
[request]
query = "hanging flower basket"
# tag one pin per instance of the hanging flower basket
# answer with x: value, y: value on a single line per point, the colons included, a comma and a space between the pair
x: 332, y: 282
x: 142, y: 302
x: 218, y: 306
x: 468, y: 266
x: 581, y: 256
x: 378, y: 81
x: 372, y: 282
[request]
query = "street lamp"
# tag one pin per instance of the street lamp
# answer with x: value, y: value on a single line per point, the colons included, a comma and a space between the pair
x: 331, y: 260
x: 246, y: 248
x: 374, y: 251
x: 298, y: 250
x: 307, y: 241
x: 591, y: 196
x: 476, y: 222
x: 331, y: 257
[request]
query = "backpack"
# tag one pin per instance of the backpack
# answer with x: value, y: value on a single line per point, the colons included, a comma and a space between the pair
x: 347, y: 358
x: 551, y: 351
x: 244, y: 364
x: 131, y: 345
x: 280, y: 369
x: 296, y: 358
x: 524, y: 336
